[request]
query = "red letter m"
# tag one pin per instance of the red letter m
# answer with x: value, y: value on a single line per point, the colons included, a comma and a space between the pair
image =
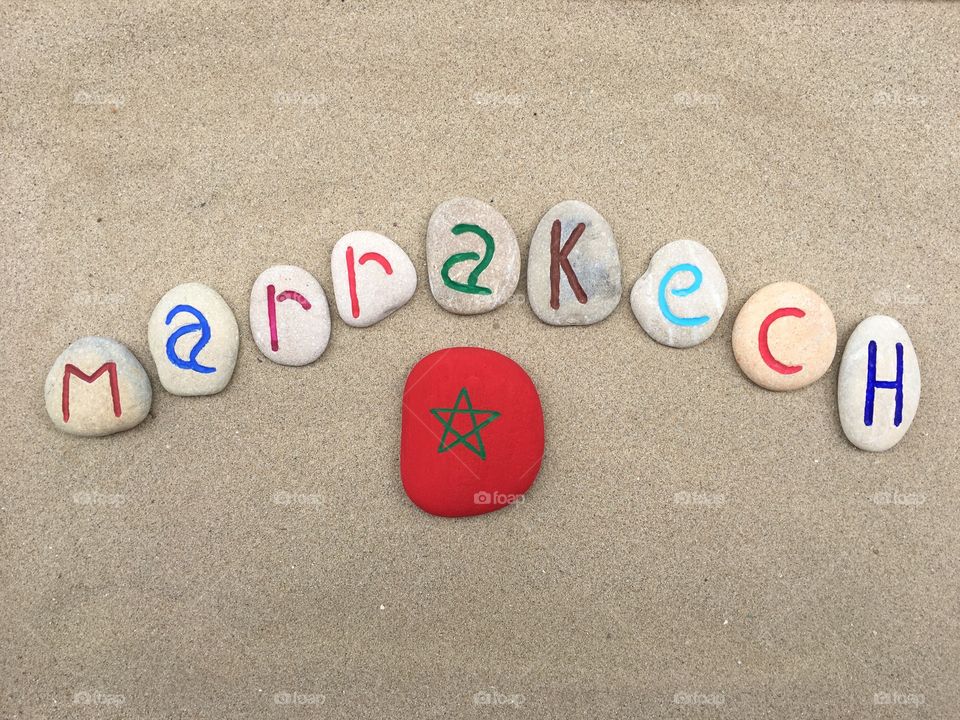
x: 110, y: 368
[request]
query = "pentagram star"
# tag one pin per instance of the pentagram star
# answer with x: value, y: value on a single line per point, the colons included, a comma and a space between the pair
x: 463, y: 399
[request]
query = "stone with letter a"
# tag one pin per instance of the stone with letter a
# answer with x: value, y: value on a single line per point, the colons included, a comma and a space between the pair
x: 471, y: 438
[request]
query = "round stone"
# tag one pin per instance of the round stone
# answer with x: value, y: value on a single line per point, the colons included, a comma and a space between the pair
x: 473, y: 258
x: 681, y: 297
x: 878, y: 390
x: 471, y: 437
x: 372, y: 277
x: 785, y: 337
x: 194, y: 340
x: 573, y: 271
x: 289, y: 316
x: 97, y: 387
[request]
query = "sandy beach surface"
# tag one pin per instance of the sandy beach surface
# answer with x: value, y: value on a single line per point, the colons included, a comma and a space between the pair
x: 693, y: 546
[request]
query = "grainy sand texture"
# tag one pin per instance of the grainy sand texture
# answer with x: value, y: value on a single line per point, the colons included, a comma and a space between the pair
x: 695, y: 546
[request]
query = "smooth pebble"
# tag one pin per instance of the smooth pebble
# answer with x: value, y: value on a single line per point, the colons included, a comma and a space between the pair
x: 97, y: 387
x: 681, y: 297
x: 194, y: 340
x: 878, y: 389
x: 573, y: 271
x: 784, y: 337
x: 289, y: 315
x: 372, y: 277
x: 471, y: 432
x: 473, y: 258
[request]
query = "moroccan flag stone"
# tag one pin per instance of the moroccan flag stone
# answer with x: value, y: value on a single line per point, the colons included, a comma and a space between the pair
x: 471, y: 439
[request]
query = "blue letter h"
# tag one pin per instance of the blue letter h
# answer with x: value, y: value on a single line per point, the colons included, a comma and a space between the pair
x: 873, y: 384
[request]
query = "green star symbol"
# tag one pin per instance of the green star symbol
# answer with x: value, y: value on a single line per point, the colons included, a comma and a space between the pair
x: 463, y: 406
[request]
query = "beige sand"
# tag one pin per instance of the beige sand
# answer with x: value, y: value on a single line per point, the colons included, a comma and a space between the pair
x: 690, y: 535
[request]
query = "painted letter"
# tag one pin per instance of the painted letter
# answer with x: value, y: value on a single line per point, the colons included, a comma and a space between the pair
x: 109, y: 367
x: 680, y: 292
x: 352, y: 275
x: 765, y: 353
x: 873, y: 384
x: 558, y: 259
x: 471, y: 287
x: 202, y: 325
x: 272, y: 300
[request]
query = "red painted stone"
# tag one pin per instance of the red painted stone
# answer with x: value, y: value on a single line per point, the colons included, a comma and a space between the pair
x: 471, y: 437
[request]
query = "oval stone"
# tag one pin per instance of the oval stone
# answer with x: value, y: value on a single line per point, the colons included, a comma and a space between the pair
x: 681, y: 297
x: 473, y: 258
x: 194, y: 340
x: 289, y: 315
x: 878, y: 389
x: 471, y: 436
x: 573, y: 271
x: 97, y: 387
x: 785, y: 337
x: 372, y: 277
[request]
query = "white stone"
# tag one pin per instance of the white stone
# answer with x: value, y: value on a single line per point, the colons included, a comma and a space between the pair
x: 671, y: 285
x: 205, y: 340
x: 473, y: 258
x: 883, y: 433
x: 383, y: 278
x: 301, y: 328
x: 593, y: 260
x: 80, y: 405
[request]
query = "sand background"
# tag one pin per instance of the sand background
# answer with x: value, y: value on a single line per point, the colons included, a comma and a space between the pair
x: 145, y: 144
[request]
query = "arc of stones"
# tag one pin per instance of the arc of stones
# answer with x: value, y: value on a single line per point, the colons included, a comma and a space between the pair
x: 784, y: 337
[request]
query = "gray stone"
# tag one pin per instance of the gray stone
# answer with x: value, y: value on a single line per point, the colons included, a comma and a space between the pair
x: 473, y: 258
x: 587, y: 272
x: 97, y: 387
x: 296, y: 301
x: 205, y: 340
x: 383, y: 277
x: 671, y: 286
x: 884, y: 431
